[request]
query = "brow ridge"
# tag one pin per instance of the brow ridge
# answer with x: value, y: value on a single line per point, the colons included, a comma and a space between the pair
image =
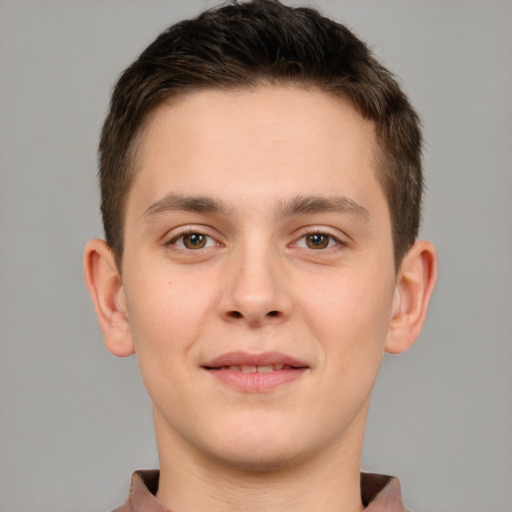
x: 178, y: 202
x: 298, y: 205
x: 304, y: 204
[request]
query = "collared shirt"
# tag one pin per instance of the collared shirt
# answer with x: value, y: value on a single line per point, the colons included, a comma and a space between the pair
x: 379, y: 493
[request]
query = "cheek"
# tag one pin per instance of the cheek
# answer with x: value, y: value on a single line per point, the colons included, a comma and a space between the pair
x: 166, y: 314
x: 166, y: 317
x: 353, y: 322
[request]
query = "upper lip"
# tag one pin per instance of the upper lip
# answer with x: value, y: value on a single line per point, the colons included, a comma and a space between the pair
x: 261, y: 359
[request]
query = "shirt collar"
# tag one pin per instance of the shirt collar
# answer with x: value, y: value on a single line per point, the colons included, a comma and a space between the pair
x: 379, y: 493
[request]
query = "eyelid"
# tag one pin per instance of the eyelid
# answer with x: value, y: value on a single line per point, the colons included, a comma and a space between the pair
x: 339, y: 239
x: 177, y: 233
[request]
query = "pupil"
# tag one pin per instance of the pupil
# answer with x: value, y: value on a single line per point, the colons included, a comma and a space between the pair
x: 318, y: 240
x: 194, y: 240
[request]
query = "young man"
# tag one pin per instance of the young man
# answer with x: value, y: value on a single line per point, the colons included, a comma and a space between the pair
x: 261, y: 189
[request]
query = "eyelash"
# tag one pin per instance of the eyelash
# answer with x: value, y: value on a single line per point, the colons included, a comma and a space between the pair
x: 175, y: 240
x: 332, y: 241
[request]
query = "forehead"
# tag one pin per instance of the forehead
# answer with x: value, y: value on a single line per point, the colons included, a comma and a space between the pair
x: 266, y: 140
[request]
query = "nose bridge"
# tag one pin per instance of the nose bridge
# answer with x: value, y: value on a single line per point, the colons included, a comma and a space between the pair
x: 254, y: 288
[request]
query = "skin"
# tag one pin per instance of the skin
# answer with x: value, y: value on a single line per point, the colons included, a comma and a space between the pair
x: 254, y: 161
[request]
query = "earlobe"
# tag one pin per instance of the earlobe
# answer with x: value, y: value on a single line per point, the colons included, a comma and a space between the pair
x: 103, y: 281
x: 414, y: 286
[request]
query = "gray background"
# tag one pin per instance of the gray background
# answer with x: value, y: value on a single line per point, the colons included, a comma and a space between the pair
x: 75, y: 421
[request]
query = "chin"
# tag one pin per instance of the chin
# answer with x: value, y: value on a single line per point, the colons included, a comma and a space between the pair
x: 260, y: 461
x: 260, y: 447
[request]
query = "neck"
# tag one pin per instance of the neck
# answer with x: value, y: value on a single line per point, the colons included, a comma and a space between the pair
x: 328, y: 481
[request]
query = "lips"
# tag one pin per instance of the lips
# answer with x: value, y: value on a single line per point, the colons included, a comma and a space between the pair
x: 250, y: 368
x: 276, y: 360
x: 255, y: 372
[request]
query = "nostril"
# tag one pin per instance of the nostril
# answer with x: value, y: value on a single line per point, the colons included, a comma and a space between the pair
x: 236, y: 314
x: 273, y: 313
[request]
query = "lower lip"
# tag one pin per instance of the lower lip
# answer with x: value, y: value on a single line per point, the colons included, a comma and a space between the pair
x: 254, y: 382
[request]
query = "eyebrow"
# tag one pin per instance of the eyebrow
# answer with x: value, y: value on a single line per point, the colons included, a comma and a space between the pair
x: 319, y: 204
x: 299, y: 205
x: 178, y: 202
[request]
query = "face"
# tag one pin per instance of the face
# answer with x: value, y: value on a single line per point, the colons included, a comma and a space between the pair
x: 258, y: 275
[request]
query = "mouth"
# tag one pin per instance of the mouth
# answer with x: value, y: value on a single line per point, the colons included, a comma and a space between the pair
x: 251, y: 368
x: 255, y: 372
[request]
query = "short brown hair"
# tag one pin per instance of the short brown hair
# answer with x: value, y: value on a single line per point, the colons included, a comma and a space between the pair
x: 246, y: 44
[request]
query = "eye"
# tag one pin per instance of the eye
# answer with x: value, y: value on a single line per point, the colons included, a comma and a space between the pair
x: 317, y: 240
x: 193, y: 241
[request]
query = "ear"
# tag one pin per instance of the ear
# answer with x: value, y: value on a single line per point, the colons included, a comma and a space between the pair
x: 103, y: 281
x: 415, y: 281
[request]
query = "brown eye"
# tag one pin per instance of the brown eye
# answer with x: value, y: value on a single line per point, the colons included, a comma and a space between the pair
x: 194, y: 241
x: 317, y: 241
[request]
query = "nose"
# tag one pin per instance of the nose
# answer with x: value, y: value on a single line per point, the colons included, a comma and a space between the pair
x: 255, y: 288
